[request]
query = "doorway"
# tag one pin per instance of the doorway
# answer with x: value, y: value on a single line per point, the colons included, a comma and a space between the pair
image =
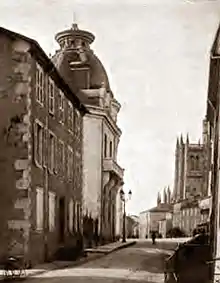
x: 61, y: 219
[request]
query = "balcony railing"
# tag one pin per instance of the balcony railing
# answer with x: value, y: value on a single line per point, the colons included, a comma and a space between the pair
x: 110, y: 165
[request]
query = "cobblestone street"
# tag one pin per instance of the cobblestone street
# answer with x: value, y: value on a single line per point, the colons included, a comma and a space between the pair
x: 139, y: 263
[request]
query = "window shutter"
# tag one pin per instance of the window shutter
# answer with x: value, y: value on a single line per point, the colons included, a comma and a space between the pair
x: 35, y: 143
x: 52, y: 210
x: 45, y: 149
x: 39, y: 208
x: 71, y: 215
x: 56, y: 155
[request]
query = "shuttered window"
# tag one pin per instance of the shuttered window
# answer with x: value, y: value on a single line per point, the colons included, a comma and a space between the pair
x: 39, y: 208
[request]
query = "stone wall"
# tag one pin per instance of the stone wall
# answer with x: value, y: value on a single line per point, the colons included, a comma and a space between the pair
x: 15, y: 149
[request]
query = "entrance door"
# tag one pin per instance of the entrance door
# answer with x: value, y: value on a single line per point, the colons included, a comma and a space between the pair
x: 61, y: 219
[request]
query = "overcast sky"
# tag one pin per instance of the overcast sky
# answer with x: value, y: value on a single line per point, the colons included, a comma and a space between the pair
x: 156, y: 53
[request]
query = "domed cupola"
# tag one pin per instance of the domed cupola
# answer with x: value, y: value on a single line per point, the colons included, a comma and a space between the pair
x: 74, y: 38
x: 77, y: 63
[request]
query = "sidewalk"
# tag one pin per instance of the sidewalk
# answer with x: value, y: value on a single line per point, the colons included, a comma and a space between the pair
x: 106, y: 249
x: 91, y: 254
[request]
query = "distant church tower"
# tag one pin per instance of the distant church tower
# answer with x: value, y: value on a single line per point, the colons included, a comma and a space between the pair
x: 177, y: 170
x: 165, y: 200
x: 191, y: 159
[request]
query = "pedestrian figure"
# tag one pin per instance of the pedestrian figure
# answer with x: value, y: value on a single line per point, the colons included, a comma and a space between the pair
x: 153, y: 236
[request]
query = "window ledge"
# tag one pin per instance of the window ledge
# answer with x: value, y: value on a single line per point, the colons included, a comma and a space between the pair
x: 40, y: 103
x: 39, y: 230
x: 50, y: 171
x: 38, y: 164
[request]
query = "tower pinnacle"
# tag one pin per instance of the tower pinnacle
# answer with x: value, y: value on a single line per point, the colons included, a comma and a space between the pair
x: 165, y: 195
x: 177, y: 142
x: 187, y: 138
x: 181, y: 139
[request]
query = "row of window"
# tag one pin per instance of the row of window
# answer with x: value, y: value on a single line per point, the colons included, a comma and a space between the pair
x: 192, y: 220
x: 46, y: 85
x: 40, y: 209
x: 74, y: 212
x: 190, y: 211
x: 50, y: 151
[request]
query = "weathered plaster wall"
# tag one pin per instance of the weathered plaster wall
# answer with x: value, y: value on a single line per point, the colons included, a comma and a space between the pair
x: 92, y: 165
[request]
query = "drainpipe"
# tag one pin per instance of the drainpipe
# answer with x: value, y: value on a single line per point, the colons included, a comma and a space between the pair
x: 46, y: 211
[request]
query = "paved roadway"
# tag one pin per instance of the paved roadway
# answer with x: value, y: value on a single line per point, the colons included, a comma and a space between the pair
x: 142, y: 262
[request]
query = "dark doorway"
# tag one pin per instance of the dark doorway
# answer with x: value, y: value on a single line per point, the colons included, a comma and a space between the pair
x: 61, y: 219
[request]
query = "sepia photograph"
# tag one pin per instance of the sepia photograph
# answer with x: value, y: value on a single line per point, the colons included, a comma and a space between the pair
x: 110, y: 141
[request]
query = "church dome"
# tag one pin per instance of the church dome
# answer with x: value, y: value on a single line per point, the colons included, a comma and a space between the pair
x: 77, y: 63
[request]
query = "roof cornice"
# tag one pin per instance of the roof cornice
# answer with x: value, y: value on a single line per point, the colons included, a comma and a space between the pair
x: 100, y: 112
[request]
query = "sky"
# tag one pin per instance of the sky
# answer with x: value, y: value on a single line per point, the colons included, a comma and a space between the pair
x: 156, y: 54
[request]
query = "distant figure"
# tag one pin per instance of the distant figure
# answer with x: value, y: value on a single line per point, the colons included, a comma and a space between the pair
x: 96, y: 233
x: 153, y: 237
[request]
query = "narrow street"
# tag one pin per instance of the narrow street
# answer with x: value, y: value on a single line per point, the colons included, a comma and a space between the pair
x: 139, y: 263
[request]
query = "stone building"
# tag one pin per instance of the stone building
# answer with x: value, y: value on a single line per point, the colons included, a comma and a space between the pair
x: 132, y: 226
x: 149, y: 220
x: 103, y: 177
x: 165, y: 225
x: 191, y: 167
x: 143, y: 224
x: 155, y: 215
x: 213, y: 114
x: 191, y: 181
x: 187, y: 215
x: 205, y: 205
x: 41, y: 152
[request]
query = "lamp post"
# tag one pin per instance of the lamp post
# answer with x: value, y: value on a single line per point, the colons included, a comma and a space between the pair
x: 123, y: 199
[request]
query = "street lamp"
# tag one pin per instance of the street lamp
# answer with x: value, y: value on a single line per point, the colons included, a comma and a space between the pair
x: 123, y: 199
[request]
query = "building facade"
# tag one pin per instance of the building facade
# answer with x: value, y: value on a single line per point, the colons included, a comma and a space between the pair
x: 191, y: 181
x: 149, y: 220
x: 41, y: 152
x: 132, y: 226
x: 187, y: 215
x: 143, y: 224
x: 155, y: 215
x: 165, y: 225
x: 103, y: 177
x: 212, y: 113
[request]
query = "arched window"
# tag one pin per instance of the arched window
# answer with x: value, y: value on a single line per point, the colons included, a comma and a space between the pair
x: 110, y: 149
x: 192, y: 162
x: 105, y: 146
x: 197, y: 162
